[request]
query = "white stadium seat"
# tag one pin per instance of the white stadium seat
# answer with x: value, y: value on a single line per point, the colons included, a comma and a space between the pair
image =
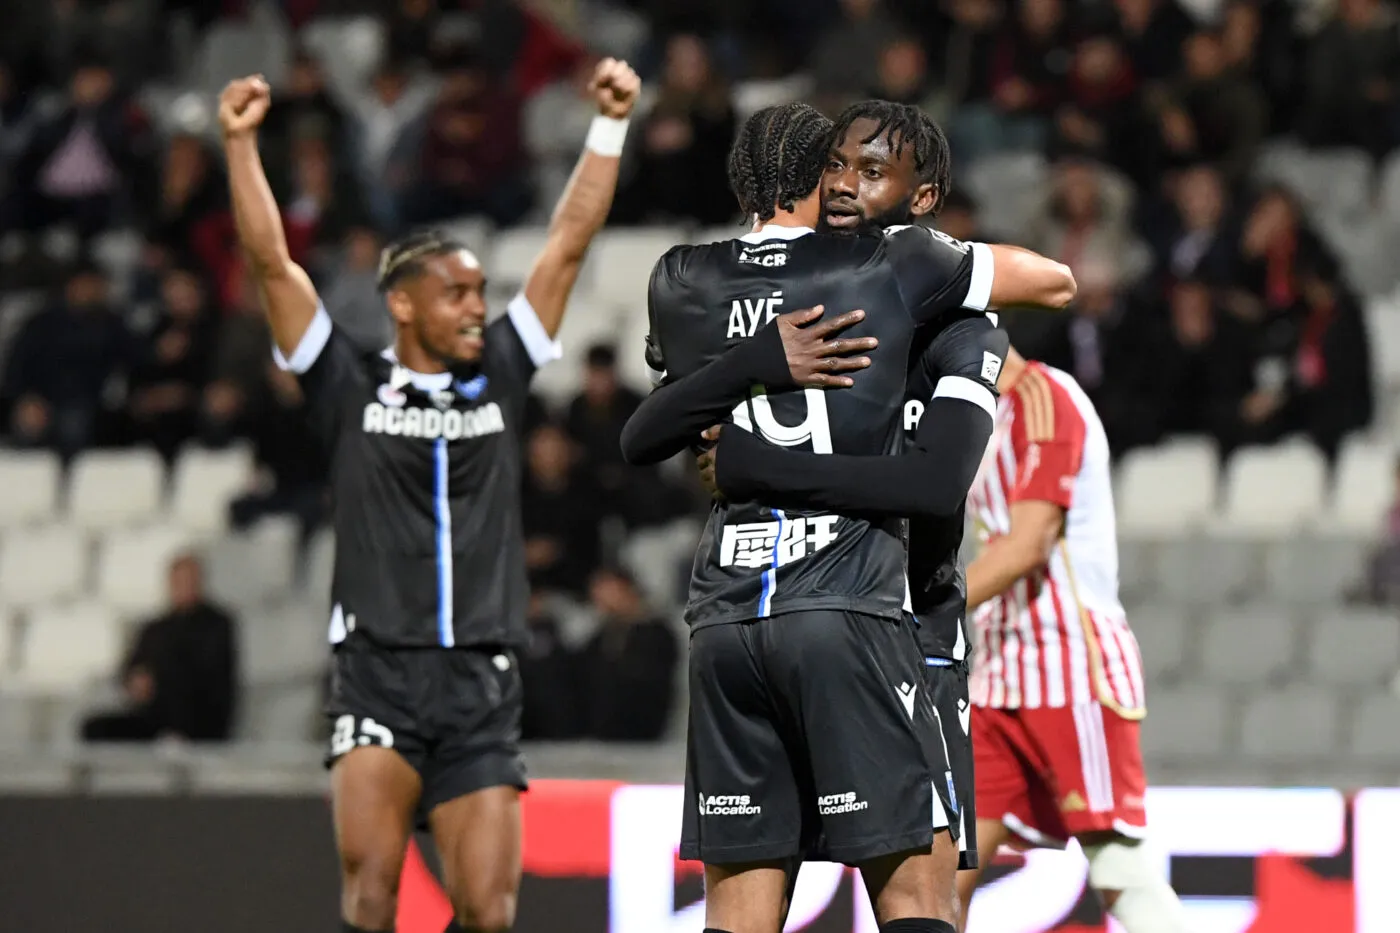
x: 1354, y: 647
x: 29, y: 486
x: 1272, y: 492
x: 1374, y: 728
x: 205, y: 482
x: 1383, y: 327
x: 1251, y: 645
x: 133, y: 567
x: 623, y: 260
x: 513, y: 254
x: 67, y: 647
x: 587, y: 322
x: 1185, y: 723
x: 1364, y: 485
x: 42, y: 565
x: 1164, y: 636
x: 253, y: 567
x: 1313, y: 570
x: 1295, y: 724
x: 112, y: 488
x: 1164, y: 491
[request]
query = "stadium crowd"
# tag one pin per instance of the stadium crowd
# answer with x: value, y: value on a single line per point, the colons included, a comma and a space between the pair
x: 1208, y: 303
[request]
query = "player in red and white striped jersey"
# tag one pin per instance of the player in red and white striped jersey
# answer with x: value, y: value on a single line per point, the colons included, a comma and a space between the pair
x: 1057, y: 685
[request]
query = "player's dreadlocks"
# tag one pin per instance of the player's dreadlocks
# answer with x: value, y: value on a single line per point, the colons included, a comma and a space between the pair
x: 906, y: 125
x: 778, y: 158
x: 403, y: 258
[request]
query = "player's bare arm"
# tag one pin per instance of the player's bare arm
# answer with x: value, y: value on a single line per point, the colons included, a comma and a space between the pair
x: 800, y: 348
x: 1023, y: 277
x: 288, y: 296
x: 1035, y: 530
x: 586, y: 201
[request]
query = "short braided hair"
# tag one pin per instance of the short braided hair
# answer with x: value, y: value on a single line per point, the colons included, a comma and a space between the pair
x: 778, y: 158
x: 906, y: 125
x: 403, y: 258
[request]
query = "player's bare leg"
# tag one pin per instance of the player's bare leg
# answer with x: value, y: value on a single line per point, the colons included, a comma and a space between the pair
x: 373, y: 795
x: 747, y: 897
x: 478, y: 839
x: 915, y: 892
x: 991, y: 835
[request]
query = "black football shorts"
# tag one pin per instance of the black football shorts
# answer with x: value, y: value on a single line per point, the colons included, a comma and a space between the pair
x: 808, y: 728
x: 951, y: 759
x: 452, y: 713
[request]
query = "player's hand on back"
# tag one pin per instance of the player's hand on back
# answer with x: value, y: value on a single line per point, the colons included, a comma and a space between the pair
x: 816, y: 357
x: 615, y: 87
x: 706, y: 462
x: 243, y: 105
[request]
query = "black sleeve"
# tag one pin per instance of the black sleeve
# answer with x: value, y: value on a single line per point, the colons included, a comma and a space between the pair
x: 937, y: 273
x: 328, y: 366
x: 672, y: 417
x: 932, y: 478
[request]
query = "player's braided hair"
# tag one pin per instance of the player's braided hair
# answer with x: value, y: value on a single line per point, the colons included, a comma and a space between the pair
x: 778, y: 158
x: 906, y: 125
x: 403, y: 258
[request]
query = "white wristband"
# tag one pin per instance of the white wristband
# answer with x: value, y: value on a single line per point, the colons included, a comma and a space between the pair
x: 606, y: 136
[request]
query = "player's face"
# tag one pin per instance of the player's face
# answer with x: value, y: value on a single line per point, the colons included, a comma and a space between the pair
x: 446, y: 308
x: 867, y: 186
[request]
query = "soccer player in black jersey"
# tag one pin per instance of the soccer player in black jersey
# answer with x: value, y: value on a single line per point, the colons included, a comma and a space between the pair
x: 898, y: 156
x: 429, y: 588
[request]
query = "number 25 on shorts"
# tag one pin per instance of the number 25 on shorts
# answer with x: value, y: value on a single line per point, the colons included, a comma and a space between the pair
x: 344, y: 738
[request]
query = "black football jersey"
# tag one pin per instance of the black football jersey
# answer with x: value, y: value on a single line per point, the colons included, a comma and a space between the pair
x: 425, y: 477
x: 754, y: 561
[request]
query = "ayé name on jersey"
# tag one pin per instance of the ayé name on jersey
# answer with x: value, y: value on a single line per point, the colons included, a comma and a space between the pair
x: 432, y: 423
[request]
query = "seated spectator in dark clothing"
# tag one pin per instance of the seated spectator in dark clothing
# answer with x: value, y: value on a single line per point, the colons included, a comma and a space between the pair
x: 1261, y: 45
x: 190, y: 220
x: 682, y: 144
x: 166, y: 388
x: 324, y: 201
x: 1152, y: 32
x: 597, y: 414
x: 472, y: 157
x: 549, y: 673
x: 629, y: 666
x: 561, y: 509
x: 303, y: 109
x: 181, y: 678
x: 1100, y: 113
x: 291, y: 464
x: 1351, y: 86
x: 1213, y: 113
x: 1274, y: 243
x: 959, y: 218
x: 84, y: 165
x: 1330, y: 385
x: 1192, y: 240
x: 61, y: 366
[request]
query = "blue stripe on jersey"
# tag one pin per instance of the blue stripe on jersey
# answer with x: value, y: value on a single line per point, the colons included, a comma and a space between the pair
x: 937, y: 662
x: 442, y: 509
x: 770, y: 576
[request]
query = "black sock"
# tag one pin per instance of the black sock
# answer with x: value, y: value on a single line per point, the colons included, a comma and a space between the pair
x: 348, y: 927
x: 918, y: 925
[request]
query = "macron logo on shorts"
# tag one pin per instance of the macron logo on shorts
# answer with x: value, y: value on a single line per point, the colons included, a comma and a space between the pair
x: 906, y: 696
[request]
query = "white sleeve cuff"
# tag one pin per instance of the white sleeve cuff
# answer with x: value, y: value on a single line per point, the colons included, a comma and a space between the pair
x: 318, y: 332
x: 979, y: 290
x: 541, y: 347
x: 969, y: 390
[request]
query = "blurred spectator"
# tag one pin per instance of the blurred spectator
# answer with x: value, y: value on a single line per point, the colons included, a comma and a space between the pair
x: 1330, y: 383
x: 291, y: 464
x: 1028, y: 66
x: 597, y: 414
x: 64, y: 365
x: 1099, y: 118
x: 1382, y: 584
x: 15, y: 120
x: 1192, y: 241
x: 181, y: 678
x: 85, y: 164
x: 412, y: 26
x: 1084, y: 224
x: 304, y: 109
x: 471, y: 159
x: 395, y: 101
x: 561, y: 512
x: 323, y: 202
x: 240, y: 363
x: 958, y: 218
x: 1261, y: 46
x: 1274, y: 243
x: 166, y: 389
x: 352, y: 295
x: 629, y: 666
x: 1213, y: 113
x: 1352, y: 79
x: 1152, y: 32
x: 548, y: 671
x: 682, y: 144
x: 190, y: 222
x: 844, y: 60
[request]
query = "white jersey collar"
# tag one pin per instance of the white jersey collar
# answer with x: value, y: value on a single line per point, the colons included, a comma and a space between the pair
x: 775, y: 232
x: 423, y: 382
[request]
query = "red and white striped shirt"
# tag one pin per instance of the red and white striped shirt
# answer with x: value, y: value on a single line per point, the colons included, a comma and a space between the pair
x: 1059, y: 636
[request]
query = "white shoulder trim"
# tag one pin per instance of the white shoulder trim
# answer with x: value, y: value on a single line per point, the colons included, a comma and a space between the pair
x: 541, y: 347
x: 318, y: 333
x: 775, y: 232
x: 969, y: 390
x: 979, y: 290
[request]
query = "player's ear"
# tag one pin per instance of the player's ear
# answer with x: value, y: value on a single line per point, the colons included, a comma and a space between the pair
x: 925, y: 197
x: 400, y: 307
